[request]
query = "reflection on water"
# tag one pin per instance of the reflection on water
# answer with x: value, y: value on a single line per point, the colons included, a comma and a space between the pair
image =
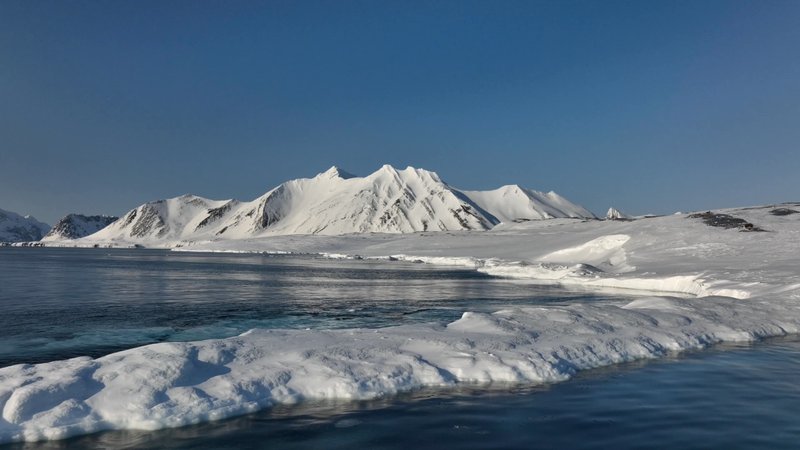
x: 60, y: 303
x: 734, y: 396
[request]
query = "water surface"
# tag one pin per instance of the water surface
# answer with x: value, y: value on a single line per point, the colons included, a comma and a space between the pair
x: 730, y: 397
x: 59, y: 303
x: 62, y: 303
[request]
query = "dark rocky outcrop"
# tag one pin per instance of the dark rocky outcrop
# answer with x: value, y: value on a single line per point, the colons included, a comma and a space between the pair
x: 783, y: 212
x: 726, y: 221
x: 74, y: 226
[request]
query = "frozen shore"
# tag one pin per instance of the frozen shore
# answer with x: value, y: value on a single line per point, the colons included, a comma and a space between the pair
x: 700, y: 284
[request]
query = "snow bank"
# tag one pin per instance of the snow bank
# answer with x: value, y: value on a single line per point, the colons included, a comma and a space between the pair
x: 175, y: 384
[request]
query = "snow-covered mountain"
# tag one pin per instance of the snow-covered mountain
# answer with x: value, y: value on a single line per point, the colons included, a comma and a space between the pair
x: 514, y: 203
x: 615, y: 214
x: 74, y: 226
x: 17, y: 228
x: 335, y: 202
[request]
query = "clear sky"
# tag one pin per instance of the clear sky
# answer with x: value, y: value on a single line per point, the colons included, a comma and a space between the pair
x: 649, y: 106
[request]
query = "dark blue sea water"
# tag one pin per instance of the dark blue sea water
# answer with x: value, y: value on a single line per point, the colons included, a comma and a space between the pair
x: 59, y: 303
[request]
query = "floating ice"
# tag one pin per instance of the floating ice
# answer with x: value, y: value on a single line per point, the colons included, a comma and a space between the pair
x: 175, y: 384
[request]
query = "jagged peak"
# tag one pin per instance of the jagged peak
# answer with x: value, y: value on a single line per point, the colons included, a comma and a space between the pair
x: 336, y: 172
x: 181, y: 198
x: 387, y: 168
x: 87, y: 216
x: 406, y: 173
x: 615, y: 214
x: 387, y: 200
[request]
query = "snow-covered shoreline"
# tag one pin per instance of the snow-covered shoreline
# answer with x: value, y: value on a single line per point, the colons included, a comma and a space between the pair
x: 736, y: 286
x: 677, y: 255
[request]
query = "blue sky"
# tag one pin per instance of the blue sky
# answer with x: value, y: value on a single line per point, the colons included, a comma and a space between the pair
x: 644, y: 105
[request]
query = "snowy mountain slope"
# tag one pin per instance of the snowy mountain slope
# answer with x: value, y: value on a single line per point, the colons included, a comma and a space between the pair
x: 170, y: 219
x: 514, y: 203
x: 389, y: 200
x: 74, y: 226
x: 335, y: 202
x: 17, y: 228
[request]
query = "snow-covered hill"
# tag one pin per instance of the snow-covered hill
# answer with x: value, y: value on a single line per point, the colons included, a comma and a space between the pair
x: 74, y: 226
x: 513, y: 203
x: 17, y: 228
x: 335, y: 202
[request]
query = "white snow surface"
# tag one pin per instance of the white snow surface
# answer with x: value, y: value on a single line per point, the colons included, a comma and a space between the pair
x: 333, y: 203
x: 17, y: 228
x: 698, y: 285
x: 515, y: 204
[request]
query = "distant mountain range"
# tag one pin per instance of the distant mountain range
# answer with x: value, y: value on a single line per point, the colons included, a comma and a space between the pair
x: 331, y: 203
x: 17, y: 228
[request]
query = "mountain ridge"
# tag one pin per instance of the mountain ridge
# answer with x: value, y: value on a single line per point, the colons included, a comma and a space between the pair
x: 335, y: 202
x: 18, y: 228
x: 75, y: 226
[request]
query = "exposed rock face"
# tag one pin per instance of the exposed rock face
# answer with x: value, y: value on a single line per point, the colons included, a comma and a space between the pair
x: 615, y: 214
x: 724, y: 221
x: 75, y: 226
x: 17, y: 228
x: 336, y: 202
x: 783, y: 212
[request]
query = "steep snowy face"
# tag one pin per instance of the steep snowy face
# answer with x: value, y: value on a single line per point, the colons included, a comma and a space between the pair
x: 174, y: 218
x: 17, y: 228
x: 387, y: 201
x: 513, y: 203
x: 336, y: 202
x: 75, y: 226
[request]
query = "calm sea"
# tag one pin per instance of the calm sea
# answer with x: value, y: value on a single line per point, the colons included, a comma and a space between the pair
x: 60, y: 303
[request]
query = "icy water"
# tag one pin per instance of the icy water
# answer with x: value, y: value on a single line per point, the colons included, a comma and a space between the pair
x: 61, y: 303
x: 58, y: 303
x: 729, y: 397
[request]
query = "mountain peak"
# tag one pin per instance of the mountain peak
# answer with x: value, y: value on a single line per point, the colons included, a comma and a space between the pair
x: 407, y: 174
x: 74, y: 226
x: 336, y: 172
x: 18, y: 228
x: 386, y: 201
x: 388, y: 168
x: 615, y: 214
